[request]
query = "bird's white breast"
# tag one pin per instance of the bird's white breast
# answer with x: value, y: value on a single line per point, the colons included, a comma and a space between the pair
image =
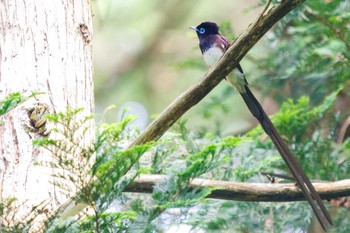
x: 212, y: 55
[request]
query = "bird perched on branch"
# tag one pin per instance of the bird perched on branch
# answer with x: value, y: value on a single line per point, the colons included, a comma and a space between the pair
x: 213, y: 45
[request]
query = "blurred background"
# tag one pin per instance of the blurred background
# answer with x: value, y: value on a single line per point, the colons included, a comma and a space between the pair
x: 146, y: 54
x: 144, y: 51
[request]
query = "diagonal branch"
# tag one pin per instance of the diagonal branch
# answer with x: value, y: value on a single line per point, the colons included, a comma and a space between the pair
x: 216, y: 73
x: 239, y: 191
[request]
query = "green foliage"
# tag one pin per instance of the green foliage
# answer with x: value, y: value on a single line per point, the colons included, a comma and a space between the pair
x: 250, y: 217
x: 14, y: 99
x: 102, y: 179
x: 296, y: 117
x: 10, y: 102
x: 226, y: 29
x: 193, y: 157
x: 308, y: 52
x: 96, y: 170
x: 107, y: 222
x: 216, y: 105
x: 183, y: 155
x: 10, y: 222
x: 310, y: 132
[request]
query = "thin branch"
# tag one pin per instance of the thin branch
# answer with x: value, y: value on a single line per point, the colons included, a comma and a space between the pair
x: 239, y: 191
x: 216, y: 73
x: 265, y: 9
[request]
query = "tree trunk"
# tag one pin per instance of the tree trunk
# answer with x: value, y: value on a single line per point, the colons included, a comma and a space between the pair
x: 45, y: 46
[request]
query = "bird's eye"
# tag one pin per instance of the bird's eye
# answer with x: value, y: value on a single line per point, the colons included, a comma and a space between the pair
x: 201, y: 30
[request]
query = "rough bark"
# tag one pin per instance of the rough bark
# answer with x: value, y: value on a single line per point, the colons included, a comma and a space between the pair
x: 45, y: 46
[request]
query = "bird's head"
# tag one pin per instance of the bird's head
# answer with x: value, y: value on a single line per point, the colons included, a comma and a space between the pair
x: 205, y: 29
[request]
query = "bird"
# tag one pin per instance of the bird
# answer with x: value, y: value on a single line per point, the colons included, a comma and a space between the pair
x: 213, y: 45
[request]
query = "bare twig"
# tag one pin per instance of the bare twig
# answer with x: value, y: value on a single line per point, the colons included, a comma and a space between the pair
x: 238, y: 191
x: 265, y: 9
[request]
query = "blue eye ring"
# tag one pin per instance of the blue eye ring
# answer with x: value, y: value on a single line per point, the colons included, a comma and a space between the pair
x: 201, y: 30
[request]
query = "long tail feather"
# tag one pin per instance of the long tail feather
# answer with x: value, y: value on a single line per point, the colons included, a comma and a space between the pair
x: 302, y: 180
